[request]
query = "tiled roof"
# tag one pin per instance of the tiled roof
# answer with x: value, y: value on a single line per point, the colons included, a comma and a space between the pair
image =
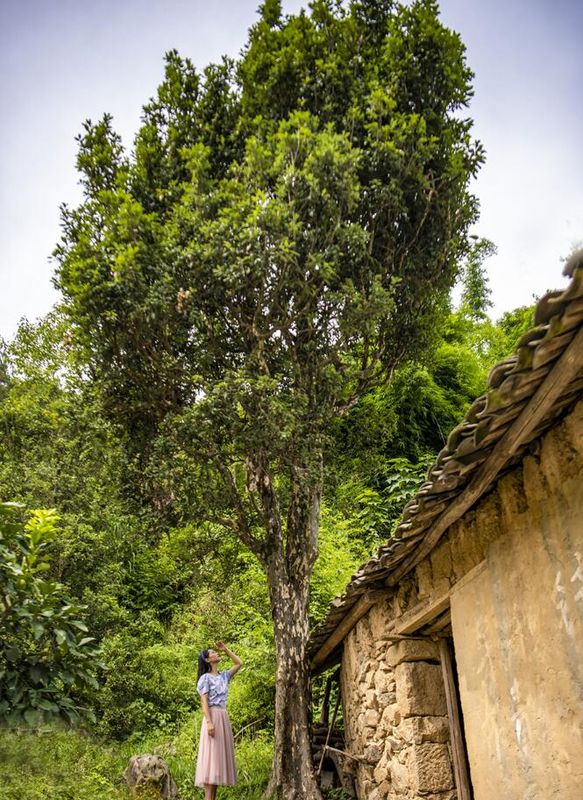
x: 511, y: 385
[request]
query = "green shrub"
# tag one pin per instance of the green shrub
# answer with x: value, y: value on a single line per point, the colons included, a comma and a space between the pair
x: 150, y: 683
x: 45, y: 654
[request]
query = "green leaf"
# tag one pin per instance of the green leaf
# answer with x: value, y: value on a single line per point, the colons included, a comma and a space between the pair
x: 46, y: 705
x: 12, y: 653
x: 86, y: 640
x: 60, y: 636
x: 38, y: 629
x: 35, y: 674
x: 32, y: 717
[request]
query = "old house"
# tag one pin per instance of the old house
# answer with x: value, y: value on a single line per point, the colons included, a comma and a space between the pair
x: 461, y: 641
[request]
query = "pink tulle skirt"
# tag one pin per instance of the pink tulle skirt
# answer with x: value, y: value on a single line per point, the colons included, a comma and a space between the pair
x: 216, y: 754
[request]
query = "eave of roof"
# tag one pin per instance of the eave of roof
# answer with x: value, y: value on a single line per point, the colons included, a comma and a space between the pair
x: 512, y: 385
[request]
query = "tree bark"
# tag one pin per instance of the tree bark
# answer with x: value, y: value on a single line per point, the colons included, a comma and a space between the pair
x: 289, y: 568
x: 292, y: 775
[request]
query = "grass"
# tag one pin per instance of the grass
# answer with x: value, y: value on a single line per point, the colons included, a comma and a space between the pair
x: 58, y: 764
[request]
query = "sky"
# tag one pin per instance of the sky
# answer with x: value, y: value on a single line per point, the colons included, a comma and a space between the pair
x: 64, y: 61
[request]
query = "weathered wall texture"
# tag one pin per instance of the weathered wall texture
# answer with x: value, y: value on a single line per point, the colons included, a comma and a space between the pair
x: 518, y: 633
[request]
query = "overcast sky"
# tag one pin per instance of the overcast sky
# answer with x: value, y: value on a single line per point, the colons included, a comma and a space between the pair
x: 63, y: 61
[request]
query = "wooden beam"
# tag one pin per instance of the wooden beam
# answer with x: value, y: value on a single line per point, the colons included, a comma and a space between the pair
x: 458, y: 748
x: 333, y: 678
x: 565, y: 370
x: 348, y: 622
x: 419, y: 615
x: 443, y: 621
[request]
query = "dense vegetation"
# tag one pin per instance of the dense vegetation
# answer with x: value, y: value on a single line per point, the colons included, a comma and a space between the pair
x: 244, y: 384
x: 151, y: 596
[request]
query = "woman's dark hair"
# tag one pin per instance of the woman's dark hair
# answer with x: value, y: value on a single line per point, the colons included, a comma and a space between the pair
x: 203, y: 664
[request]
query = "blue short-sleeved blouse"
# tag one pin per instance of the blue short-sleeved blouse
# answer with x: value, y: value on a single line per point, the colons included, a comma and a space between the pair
x: 216, y: 686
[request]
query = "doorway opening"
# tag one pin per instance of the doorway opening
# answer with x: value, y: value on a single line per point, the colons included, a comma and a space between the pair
x: 440, y: 628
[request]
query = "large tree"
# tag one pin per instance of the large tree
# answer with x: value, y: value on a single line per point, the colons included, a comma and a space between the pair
x: 283, y: 235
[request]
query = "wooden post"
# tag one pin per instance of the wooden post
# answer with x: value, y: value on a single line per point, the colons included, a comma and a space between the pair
x: 329, y: 731
x: 324, y: 716
x: 458, y: 748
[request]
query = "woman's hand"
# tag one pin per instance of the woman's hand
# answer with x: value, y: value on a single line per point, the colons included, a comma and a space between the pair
x: 237, y: 663
x: 210, y: 729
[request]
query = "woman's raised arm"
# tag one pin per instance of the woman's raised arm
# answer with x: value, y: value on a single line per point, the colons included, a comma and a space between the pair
x: 237, y: 663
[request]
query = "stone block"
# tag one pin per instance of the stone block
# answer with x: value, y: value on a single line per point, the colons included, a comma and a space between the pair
x: 366, y: 788
x: 365, y: 674
x: 430, y: 768
x: 371, y: 699
x: 441, y: 560
x: 369, y: 734
x: 420, y: 689
x: 379, y: 616
x: 573, y: 424
x: 451, y: 795
x: 419, y: 730
x: 371, y: 717
x: 424, y: 578
x: 405, y: 597
x: 400, y: 781
x: 393, y: 745
x: 151, y: 774
x: 384, y: 789
x: 391, y: 716
x: 463, y: 549
x: 383, y: 680
x: 372, y: 753
x: 385, y: 699
x: 412, y: 650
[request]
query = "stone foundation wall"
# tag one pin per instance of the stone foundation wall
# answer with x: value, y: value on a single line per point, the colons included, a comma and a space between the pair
x: 395, y: 714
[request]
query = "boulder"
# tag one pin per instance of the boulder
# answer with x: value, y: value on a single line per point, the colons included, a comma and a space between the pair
x: 152, y: 773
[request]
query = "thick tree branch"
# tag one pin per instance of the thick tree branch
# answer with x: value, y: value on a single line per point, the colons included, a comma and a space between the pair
x: 241, y: 525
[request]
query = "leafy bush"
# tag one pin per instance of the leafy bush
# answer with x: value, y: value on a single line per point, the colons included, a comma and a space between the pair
x: 45, y: 656
x: 342, y: 548
x: 149, y: 684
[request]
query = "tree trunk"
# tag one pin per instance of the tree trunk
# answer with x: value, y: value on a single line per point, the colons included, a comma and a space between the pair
x: 292, y: 775
x: 289, y: 568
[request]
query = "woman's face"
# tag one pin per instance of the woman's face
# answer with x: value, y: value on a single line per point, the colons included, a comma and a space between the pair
x: 213, y: 657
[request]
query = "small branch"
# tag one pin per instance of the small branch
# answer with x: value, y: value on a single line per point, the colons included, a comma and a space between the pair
x: 362, y: 759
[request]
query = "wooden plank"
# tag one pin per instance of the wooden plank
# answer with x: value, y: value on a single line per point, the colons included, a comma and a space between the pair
x: 348, y: 622
x: 548, y: 393
x: 458, y: 748
x: 440, y: 623
x: 420, y: 615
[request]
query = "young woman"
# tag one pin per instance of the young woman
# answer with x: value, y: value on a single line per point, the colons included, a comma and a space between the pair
x: 215, y: 765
